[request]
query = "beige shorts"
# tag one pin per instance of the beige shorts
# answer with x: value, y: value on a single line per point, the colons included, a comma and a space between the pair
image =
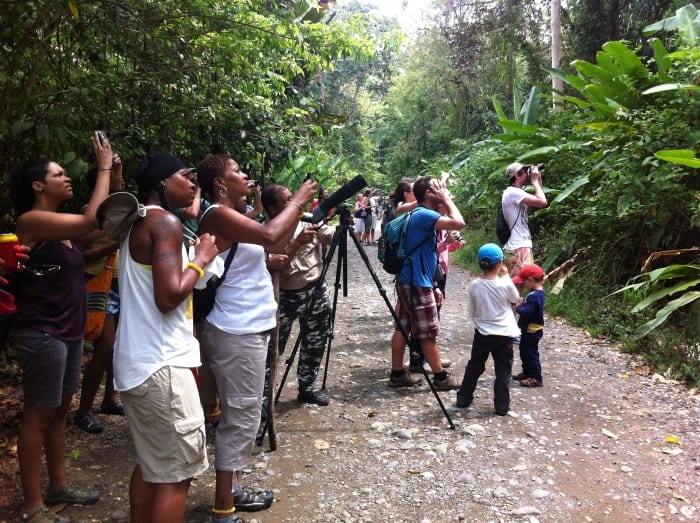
x: 167, y: 426
x: 516, y: 259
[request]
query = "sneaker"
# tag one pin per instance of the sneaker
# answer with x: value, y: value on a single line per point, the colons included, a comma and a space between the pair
x: 405, y: 380
x: 519, y: 377
x: 42, y: 515
x: 502, y: 412
x: 72, y: 495
x: 246, y: 500
x: 516, y: 340
x: 531, y: 382
x: 313, y: 396
x: 112, y: 409
x: 449, y: 383
x: 462, y: 402
x: 89, y: 422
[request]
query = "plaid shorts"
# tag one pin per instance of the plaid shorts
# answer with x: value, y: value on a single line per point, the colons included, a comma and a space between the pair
x: 418, y: 311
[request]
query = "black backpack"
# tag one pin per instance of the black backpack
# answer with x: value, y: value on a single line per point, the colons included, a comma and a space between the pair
x: 502, y: 229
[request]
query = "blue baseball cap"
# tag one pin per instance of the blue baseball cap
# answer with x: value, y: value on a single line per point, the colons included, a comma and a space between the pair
x: 490, y: 253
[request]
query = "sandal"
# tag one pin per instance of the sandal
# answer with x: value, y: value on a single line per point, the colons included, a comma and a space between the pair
x: 247, y: 500
x: 531, y: 382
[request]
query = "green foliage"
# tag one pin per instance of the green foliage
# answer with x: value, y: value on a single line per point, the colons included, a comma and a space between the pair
x: 190, y: 77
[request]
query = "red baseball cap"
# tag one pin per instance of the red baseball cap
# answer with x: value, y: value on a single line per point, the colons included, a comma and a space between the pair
x: 529, y: 271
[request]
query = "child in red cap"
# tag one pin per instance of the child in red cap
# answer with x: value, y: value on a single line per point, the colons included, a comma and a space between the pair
x: 531, y: 323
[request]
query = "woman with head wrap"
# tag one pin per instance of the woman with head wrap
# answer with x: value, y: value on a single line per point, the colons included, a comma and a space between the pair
x: 155, y: 348
x: 49, y: 324
x: 235, y: 334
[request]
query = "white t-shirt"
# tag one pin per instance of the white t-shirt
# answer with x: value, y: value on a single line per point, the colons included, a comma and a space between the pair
x: 515, y: 213
x: 490, y: 306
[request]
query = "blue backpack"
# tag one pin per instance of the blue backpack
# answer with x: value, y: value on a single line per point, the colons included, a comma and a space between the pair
x: 391, y: 246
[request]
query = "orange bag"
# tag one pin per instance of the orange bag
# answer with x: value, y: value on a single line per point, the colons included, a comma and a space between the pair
x: 97, y: 290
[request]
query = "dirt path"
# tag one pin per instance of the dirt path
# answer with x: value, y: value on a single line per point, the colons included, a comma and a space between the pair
x: 603, y: 440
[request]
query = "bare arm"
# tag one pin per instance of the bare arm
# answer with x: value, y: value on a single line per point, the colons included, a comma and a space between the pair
x: 405, y: 207
x: 257, y: 208
x: 230, y: 226
x: 38, y: 225
x: 537, y: 200
x: 159, y: 240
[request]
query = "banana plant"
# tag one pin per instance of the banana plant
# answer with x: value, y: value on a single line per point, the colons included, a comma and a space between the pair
x: 680, y: 281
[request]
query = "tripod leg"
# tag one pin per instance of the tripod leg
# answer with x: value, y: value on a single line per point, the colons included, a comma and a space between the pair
x: 304, y: 320
x: 341, y: 268
x: 405, y: 334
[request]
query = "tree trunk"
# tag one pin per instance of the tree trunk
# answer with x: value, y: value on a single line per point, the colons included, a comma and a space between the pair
x: 557, y: 83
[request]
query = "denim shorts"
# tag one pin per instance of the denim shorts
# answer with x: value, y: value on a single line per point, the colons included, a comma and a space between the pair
x: 50, y: 367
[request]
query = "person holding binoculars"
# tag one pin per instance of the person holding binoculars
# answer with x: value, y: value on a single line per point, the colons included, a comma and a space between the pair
x: 516, y: 202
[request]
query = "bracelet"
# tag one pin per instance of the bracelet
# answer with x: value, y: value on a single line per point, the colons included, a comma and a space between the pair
x: 224, y: 512
x: 100, y: 170
x: 196, y: 267
x: 299, y: 206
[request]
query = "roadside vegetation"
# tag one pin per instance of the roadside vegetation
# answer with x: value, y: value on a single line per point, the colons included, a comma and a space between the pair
x: 292, y: 87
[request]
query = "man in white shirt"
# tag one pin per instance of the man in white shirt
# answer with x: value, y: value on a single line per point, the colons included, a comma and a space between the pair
x: 515, y: 202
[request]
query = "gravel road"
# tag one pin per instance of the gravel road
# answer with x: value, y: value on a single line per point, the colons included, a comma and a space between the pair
x: 604, y: 439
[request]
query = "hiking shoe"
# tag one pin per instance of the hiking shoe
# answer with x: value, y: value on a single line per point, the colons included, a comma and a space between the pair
x: 247, y: 500
x: 531, y: 382
x: 42, y: 515
x: 405, y: 380
x: 72, y: 495
x: 313, y: 396
x: 449, y: 383
x: 462, y: 402
x: 112, y: 409
x: 519, y: 377
x: 89, y: 422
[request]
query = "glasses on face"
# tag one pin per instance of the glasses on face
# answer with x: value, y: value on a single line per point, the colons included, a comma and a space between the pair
x: 191, y: 175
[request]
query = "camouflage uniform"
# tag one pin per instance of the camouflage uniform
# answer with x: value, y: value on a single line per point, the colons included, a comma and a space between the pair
x: 314, y: 331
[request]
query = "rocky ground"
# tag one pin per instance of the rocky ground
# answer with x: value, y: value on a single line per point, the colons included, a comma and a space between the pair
x: 605, y: 439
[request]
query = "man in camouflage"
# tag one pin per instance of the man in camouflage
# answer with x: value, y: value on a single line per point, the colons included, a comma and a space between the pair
x: 299, y: 274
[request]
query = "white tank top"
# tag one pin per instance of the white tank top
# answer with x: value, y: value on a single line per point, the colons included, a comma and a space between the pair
x: 147, y: 339
x: 245, y: 301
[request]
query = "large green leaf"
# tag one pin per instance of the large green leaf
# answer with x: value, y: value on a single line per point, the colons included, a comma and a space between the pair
x: 531, y: 109
x: 681, y: 156
x: 663, y: 61
x: 663, y: 314
x: 619, y: 59
x: 578, y: 183
x: 671, y: 87
x: 666, y: 291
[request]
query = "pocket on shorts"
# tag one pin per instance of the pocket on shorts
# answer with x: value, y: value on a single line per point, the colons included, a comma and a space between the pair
x: 241, y: 402
x: 191, y: 438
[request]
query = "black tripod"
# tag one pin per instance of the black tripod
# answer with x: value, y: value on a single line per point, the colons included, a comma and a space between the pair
x: 339, y: 243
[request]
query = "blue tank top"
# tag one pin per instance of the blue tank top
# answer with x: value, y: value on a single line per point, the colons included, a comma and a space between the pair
x: 54, y: 303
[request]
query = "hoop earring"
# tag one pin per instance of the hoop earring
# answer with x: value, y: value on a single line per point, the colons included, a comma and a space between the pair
x: 223, y: 192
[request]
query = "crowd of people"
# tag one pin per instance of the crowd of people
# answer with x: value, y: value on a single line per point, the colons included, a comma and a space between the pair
x: 165, y: 372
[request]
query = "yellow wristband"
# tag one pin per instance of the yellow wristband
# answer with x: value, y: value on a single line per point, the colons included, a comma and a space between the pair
x: 196, y: 267
x: 224, y: 512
